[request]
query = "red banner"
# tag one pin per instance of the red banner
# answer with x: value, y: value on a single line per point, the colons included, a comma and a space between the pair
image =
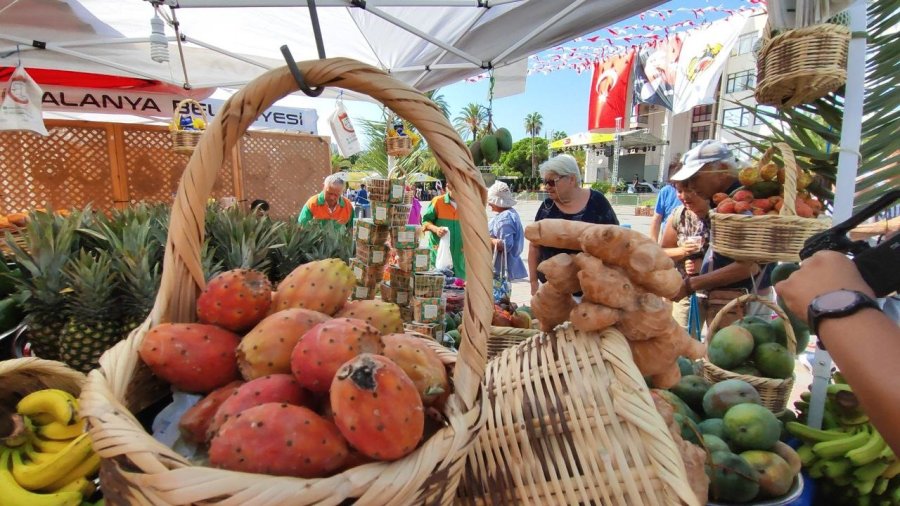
x: 609, y: 92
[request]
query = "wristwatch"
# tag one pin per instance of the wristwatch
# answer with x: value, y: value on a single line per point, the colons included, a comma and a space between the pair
x: 835, y: 305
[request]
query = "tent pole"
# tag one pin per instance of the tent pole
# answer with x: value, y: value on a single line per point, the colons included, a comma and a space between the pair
x: 187, y: 4
x: 559, y: 15
x: 226, y: 53
x: 664, y: 155
x: 424, y: 36
x: 845, y: 185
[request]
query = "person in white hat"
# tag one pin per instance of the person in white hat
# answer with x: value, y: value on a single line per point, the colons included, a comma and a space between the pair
x: 709, y: 168
x: 507, y: 233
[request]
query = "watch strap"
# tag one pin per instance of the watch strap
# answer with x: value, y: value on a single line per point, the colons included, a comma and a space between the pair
x: 815, y: 316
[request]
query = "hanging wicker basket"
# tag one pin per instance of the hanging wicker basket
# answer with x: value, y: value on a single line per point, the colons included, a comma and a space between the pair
x: 137, y: 469
x: 185, y: 140
x: 764, y: 239
x: 774, y: 392
x: 801, y: 65
x: 397, y: 145
x: 571, y: 421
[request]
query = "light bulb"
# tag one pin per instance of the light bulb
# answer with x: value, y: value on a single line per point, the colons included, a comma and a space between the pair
x: 159, y: 45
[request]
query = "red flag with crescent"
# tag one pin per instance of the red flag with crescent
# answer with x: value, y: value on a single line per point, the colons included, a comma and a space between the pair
x: 610, y: 88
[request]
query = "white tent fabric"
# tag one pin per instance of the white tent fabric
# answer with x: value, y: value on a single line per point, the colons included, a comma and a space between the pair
x: 227, y: 43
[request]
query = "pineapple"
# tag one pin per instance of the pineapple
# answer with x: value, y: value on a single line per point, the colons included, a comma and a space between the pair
x: 93, y: 314
x: 241, y: 240
x: 50, y: 240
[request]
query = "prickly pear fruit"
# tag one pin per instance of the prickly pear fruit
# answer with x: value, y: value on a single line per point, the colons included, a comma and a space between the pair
x: 377, y: 407
x: 193, y: 357
x: 267, y: 348
x: 384, y: 316
x: 323, y: 286
x: 743, y: 196
x: 235, y: 300
x: 321, y: 351
x: 719, y: 197
x: 194, y: 423
x: 420, y: 363
x: 280, y: 439
x: 279, y: 388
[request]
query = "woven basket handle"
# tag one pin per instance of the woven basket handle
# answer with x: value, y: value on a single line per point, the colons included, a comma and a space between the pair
x: 791, y: 175
x: 182, y: 277
x: 176, y: 114
x: 751, y: 297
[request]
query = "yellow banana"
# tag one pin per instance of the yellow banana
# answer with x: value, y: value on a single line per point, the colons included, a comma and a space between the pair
x: 892, y: 470
x: 59, y: 432
x: 35, y: 476
x: 49, y: 446
x: 839, y: 447
x: 59, y: 404
x: 867, y: 452
x: 15, y: 495
x: 87, y: 468
x: 33, y: 455
x: 82, y: 485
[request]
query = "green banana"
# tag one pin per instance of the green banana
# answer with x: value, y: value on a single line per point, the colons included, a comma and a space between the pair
x: 870, y: 472
x: 810, y: 434
x: 838, y: 378
x: 839, y: 447
x: 817, y: 470
x: 858, y: 418
x: 881, y: 485
x: 38, y: 476
x: 864, y: 487
x: 844, y: 480
x: 60, y: 405
x: 887, y: 453
x: 807, y: 457
x: 836, y: 467
x: 15, y: 495
x: 837, y: 387
x: 805, y: 397
x: 892, y: 471
x: 867, y: 452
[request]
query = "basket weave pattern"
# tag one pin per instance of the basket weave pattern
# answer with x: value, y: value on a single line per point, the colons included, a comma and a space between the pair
x: 572, y: 422
x: 21, y: 376
x: 802, y: 65
x: 764, y: 239
x: 774, y: 392
x: 139, y: 470
x: 184, y: 141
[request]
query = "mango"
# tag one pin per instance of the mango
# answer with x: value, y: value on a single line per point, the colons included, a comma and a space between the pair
x: 732, y: 478
x: 774, y: 361
x: 761, y: 330
x: 730, y: 346
x: 783, y: 270
x: 689, y: 430
x: 765, y: 189
x: 504, y: 139
x: 691, y: 389
x: 712, y: 427
x: 775, y: 477
x: 726, y: 394
x: 489, y: 149
x: 747, y: 369
x: 800, y: 334
x: 686, y: 366
x: 475, y: 149
x: 715, y: 444
x: 751, y: 427
x: 678, y: 405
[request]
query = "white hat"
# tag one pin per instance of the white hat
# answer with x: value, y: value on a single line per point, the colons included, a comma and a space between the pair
x: 500, y: 195
x: 707, y: 151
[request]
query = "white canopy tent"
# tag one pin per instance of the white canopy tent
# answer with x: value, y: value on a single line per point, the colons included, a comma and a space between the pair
x: 227, y: 43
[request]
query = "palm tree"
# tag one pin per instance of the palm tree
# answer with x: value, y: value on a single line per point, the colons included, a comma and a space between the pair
x: 471, y: 119
x: 533, y: 124
x: 339, y: 163
x: 440, y: 101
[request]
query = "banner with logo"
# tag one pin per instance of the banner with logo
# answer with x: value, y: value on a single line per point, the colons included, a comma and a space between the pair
x: 20, y: 104
x: 162, y: 106
x: 610, y: 97
x: 655, y: 70
x: 702, y: 59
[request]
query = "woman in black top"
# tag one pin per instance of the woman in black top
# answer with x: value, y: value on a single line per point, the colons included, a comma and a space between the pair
x: 568, y: 201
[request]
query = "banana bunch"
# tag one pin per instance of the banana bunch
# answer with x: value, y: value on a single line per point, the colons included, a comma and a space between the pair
x: 54, y: 463
x: 848, y: 458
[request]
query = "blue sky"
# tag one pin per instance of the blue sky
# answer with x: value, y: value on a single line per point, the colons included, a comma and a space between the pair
x: 561, y: 97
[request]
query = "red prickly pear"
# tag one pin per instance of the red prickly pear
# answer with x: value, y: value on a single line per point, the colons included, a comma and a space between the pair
x: 274, y: 388
x: 323, y: 286
x: 267, y: 348
x: 191, y: 356
x: 235, y: 300
x: 321, y: 351
x: 194, y: 423
x: 384, y: 316
x: 377, y: 407
x: 279, y: 439
x: 421, y: 363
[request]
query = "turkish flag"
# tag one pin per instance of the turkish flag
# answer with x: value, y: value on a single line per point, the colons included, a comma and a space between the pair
x: 609, y: 92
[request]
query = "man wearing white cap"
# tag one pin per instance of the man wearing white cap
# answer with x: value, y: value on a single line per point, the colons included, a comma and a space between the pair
x: 507, y: 233
x: 710, y: 168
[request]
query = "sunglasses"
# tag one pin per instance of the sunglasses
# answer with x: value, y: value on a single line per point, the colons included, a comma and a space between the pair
x: 551, y: 183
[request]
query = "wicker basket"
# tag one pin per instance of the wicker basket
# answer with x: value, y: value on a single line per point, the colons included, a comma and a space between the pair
x: 399, y: 145
x: 802, y: 65
x: 21, y: 376
x: 763, y: 239
x: 379, y: 189
x: 571, y: 421
x: 184, y: 141
x: 137, y: 469
x: 502, y: 338
x: 774, y: 393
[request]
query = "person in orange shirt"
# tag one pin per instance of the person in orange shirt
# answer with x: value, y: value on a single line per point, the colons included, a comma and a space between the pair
x: 330, y: 205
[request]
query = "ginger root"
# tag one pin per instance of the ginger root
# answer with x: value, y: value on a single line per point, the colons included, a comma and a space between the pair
x: 626, y: 248
x: 608, y: 287
x: 650, y: 316
x: 551, y: 307
x: 561, y: 272
x: 593, y: 317
x: 563, y: 234
x: 668, y: 378
x: 665, y: 282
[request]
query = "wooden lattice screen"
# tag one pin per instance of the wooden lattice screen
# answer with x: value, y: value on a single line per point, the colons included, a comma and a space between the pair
x: 113, y: 164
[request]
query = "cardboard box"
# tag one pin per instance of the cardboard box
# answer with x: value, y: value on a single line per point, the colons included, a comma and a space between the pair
x: 397, y: 191
x: 370, y: 254
x: 428, y: 284
x: 369, y: 233
x: 381, y: 213
x: 397, y: 296
x: 432, y: 330
x: 399, y: 279
x: 428, y: 309
x: 405, y: 237
x: 366, y: 275
x: 364, y: 292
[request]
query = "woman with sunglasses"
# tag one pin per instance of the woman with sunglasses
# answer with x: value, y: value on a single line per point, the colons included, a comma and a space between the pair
x: 568, y: 200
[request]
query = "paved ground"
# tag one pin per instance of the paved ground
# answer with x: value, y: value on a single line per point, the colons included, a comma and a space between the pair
x: 521, y: 290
